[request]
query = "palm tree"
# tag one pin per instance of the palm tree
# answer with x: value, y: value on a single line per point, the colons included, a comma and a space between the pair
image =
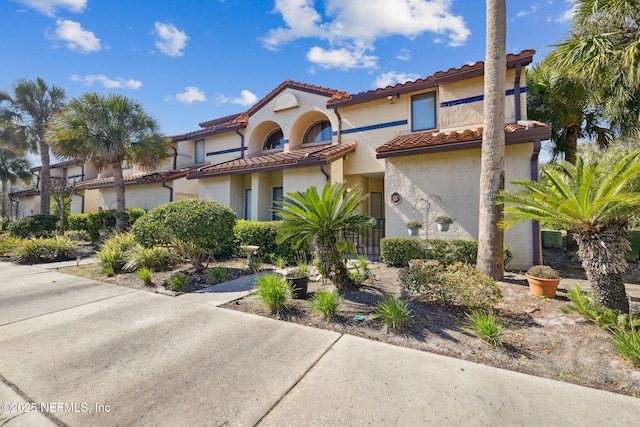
x: 108, y: 131
x: 32, y: 104
x: 595, y: 199
x: 490, y: 236
x: 324, y: 219
x: 13, y: 167
x: 564, y: 103
x: 602, y: 50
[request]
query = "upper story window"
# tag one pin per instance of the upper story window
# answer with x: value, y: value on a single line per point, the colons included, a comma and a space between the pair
x: 423, y: 111
x: 319, y: 132
x: 274, y: 141
x: 199, y: 151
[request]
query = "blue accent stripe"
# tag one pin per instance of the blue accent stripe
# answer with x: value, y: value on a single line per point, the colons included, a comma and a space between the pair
x: 477, y: 98
x: 230, y: 150
x: 378, y: 126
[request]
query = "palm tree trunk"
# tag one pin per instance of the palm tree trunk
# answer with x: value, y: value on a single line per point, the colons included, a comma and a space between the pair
x: 330, y: 263
x: 118, y: 185
x: 571, y: 143
x: 5, y: 202
x: 602, y: 254
x: 490, y: 235
x: 45, y: 178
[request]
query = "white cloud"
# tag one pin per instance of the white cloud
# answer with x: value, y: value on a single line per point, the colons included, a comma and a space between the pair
x: 355, y: 25
x: 220, y: 99
x: 343, y: 58
x: 567, y: 16
x: 534, y: 8
x: 49, y: 7
x: 171, y: 41
x: 246, y: 98
x: 404, y: 55
x: 190, y: 95
x: 107, y: 83
x: 391, y: 78
x: 75, y: 37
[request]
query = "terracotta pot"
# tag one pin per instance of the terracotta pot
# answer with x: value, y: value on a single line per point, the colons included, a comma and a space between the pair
x: 542, y: 287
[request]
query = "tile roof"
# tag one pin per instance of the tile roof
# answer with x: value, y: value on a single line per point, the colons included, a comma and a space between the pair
x: 138, y: 178
x: 304, y: 156
x: 407, y: 144
x: 73, y: 162
x: 25, y: 193
x: 513, y: 60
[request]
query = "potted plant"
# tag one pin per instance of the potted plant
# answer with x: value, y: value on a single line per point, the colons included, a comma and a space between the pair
x: 299, y: 278
x: 543, y: 281
x: 443, y: 222
x: 413, y: 227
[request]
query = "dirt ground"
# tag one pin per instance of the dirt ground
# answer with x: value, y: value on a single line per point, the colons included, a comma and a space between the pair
x: 539, y: 338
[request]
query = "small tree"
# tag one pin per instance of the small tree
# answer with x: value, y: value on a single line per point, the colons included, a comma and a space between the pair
x: 595, y: 199
x: 61, y: 195
x: 323, y: 218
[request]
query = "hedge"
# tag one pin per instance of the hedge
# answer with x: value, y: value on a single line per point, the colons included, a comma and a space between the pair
x: 264, y: 235
x: 34, y: 226
x: 397, y: 251
x: 93, y: 222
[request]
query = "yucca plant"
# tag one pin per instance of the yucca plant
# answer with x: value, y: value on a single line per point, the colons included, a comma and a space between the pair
x: 326, y: 302
x: 595, y: 199
x: 324, y: 218
x: 393, y: 311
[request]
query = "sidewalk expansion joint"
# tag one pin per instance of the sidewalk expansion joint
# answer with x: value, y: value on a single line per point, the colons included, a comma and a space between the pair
x: 29, y: 400
x: 304, y: 374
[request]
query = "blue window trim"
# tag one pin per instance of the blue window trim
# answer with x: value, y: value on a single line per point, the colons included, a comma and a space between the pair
x: 478, y: 98
x: 374, y: 127
x: 230, y: 150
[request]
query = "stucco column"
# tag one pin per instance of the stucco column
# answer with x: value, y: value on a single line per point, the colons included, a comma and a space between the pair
x: 260, y: 197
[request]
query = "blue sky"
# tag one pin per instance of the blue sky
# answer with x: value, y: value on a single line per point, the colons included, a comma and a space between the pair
x: 188, y: 61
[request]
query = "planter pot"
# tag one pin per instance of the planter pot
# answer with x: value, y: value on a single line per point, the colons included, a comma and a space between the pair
x: 542, y: 287
x: 300, y: 286
x: 413, y: 231
x: 443, y: 226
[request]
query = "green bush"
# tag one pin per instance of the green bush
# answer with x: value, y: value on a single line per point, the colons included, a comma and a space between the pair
x: 77, y: 235
x: 217, y: 275
x: 264, y: 235
x: 397, y: 251
x: 6, y: 244
x: 155, y: 259
x: 449, y: 252
x: 178, y: 282
x: 457, y: 284
x: 274, y: 291
x: 33, y: 226
x: 93, y: 222
x: 145, y: 275
x: 115, y: 251
x: 204, y: 223
x: 39, y: 249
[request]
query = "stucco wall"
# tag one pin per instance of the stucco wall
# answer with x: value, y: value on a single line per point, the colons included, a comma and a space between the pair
x: 144, y: 196
x: 454, y: 176
x: 300, y: 179
x: 28, y: 206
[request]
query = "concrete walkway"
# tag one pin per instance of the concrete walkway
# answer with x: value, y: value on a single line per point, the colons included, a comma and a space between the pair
x: 79, y: 352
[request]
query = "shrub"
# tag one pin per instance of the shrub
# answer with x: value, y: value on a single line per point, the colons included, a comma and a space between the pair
x: 217, y: 274
x: 155, y: 259
x: 274, y: 291
x: 449, y: 252
x: 361, y: 273
x: 33, y: 226
x: 627, y: 343
x: 93, y: 222
x: 543, y: 272
x: 178, y: 282
x: 123, y: 241
x: 397, y: 251
x: 326, y: 302
x: 263, y: 234
x: 145, y: 274
x: 459, y: 284
x: 393, y: 311
x: 191, y: 252
x: 112, y: 259
x: 204, y: 223
x: 77, y: 235
x: 486, y: 326
x: 6, y: 244
x: 39, y: 249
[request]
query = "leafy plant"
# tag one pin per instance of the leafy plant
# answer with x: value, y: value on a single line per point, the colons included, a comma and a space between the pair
x: 264, y: 233
x: 33, y: 226
x: 397, y: 251
x: 300, y: 270
x: 112, y: 258
x: 6, y: 244
x: 627, y: 343
x: 109, y: 271
x: 449, y: 252
x: 414, y: 224
x: 157, y: 258
x: 178, y: 282
x: 393, y: 311
x: 196, y: 255
x: 326, y: 302
x: 217, y: 274
x: 42, y: 249
x: 486, y: 326
x: 126, y: 242
x: 274, y: 291
x: 543, y: 272
x: 255, y: 265
x: 605, y: 318
x: 444, y: 219
x: 145, y: 274
x: 280, y: 262
x: 77, y: 235
x: 362, y: 273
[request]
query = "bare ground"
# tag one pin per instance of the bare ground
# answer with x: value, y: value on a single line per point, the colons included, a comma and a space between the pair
x: 539, y: 338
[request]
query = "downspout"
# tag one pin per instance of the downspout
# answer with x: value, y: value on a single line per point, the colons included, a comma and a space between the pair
x: 516, y: 90
x: 241, y: 143
x: 324, y: 172
x: 164, y: 184
x: 339, y: 126
x: 537, y: 247
x: 175, y: 158
x: 75, y: 191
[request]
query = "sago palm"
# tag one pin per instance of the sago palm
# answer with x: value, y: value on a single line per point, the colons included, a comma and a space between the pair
x: 324, y: 218
x: 595, y: 200
x: 108, y: 131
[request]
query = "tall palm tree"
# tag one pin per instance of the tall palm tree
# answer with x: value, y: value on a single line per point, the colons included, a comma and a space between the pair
x: 32, y: 104
x: 490, y: 236
x: 324, y: 218
x: 595, y: 199
x: 108, y: 131
x: 13, y: 168
x: 565, y: 104
x: 603, y: 50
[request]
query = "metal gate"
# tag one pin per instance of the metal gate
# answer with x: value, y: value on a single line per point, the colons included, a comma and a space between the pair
x: 368, y: 244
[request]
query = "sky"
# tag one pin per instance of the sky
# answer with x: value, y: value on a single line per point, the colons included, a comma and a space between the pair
x: 189, y: 61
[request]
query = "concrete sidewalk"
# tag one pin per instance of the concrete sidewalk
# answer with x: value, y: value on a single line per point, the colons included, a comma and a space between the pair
x: 87, y: 353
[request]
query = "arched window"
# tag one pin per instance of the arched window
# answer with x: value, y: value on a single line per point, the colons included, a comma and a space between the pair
x: 274, y: 141
x: 319, y: 132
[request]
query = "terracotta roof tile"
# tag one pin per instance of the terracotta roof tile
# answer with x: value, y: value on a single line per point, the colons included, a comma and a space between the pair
x: 138, y: 178
x: 25, y: 193
x: 523, y: 58
x: 434, y: 138
x: 304, y: 156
